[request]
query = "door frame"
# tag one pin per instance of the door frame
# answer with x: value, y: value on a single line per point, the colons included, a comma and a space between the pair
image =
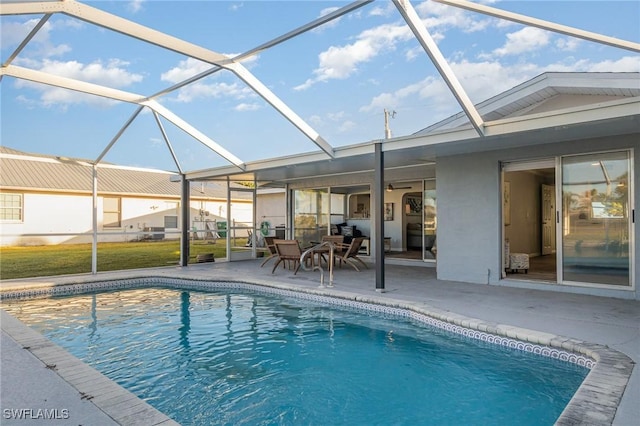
x: 550, y: 163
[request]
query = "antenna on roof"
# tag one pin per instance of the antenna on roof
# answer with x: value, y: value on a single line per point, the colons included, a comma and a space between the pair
x: 387, y: 130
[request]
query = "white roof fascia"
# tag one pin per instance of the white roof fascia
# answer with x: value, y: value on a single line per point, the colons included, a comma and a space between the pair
x: 629, y: 107
x: 549, y: 80
x: 431, y: 48
x: 546, y: 25
x: 286, y: 161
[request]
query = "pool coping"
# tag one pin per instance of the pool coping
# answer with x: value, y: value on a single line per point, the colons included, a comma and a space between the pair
x: 116, y: 402
x: 595, y: 402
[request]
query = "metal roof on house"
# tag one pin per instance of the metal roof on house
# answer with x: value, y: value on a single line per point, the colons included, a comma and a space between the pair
x: 34, y: 172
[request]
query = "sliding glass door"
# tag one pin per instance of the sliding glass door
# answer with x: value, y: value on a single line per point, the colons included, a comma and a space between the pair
x: 241, y: 226
x: 596, y: 226
x: 311, y: 215
x: 430, y: 220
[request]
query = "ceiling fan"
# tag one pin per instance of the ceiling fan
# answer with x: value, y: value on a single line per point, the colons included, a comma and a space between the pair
x: 392, y: 188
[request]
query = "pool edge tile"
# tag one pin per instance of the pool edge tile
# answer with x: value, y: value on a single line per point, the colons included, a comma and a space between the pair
x: 605, y: 365
x: 49, y: 353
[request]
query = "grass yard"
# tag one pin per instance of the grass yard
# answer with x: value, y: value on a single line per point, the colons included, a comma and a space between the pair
x: 63, y: 259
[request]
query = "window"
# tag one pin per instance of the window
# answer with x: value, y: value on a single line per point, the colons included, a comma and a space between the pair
x: 11, y: 207
x: 171, y: 222
x: 111, y: 212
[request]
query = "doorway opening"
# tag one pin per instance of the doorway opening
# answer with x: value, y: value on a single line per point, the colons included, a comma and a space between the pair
x: 529, y: 221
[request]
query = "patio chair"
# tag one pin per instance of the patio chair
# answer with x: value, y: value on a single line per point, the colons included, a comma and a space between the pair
x: 338, y: 242
x: 350, y: 253
x: 288, y: 251
x: 268, y: 241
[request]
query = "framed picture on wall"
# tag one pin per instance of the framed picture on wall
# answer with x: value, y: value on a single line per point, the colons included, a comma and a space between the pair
x: 506, y: 200
x: 388, y: 211
x: 413, y: 206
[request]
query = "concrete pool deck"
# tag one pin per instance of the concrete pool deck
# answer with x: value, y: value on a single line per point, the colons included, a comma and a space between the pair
x: 596, y: 323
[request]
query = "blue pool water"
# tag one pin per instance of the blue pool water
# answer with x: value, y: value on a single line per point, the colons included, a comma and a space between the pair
x: 248, y: 358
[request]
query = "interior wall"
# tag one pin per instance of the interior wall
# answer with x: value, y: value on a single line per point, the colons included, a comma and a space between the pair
x: 524, y: 231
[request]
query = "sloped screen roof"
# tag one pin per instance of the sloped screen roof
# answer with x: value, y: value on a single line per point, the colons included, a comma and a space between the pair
x: 191, y: 85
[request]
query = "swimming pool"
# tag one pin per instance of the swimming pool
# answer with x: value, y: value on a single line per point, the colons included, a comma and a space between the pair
x: 246, y: 357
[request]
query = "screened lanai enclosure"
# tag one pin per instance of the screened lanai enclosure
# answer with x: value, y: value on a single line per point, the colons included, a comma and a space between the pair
x: 130, y: 140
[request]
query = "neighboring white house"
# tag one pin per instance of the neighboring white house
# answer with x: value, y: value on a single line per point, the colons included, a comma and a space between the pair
x: 48, y: 200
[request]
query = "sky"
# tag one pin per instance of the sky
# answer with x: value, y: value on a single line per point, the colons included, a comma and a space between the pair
x: 339, y: 78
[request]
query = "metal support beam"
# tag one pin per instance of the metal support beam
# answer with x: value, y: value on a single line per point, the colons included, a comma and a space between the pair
x: 27, y: 39
x: 166, y: 140
x: 378, y: 217
x: 117, y: 136
x: 94, y: 219
x: 431, y: 48
x: 185, y: 200
x: 280, y: 106
x: 149, y: 35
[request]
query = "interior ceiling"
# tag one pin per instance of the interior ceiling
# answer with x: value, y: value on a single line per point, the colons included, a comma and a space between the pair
x: 401, y: 155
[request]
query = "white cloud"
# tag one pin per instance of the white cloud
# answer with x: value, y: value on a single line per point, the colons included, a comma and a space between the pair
x: 236, y: 6
x: 247, y: 107
x: 483, y: 80
x: 13, y: 33
x: 210, y: 87
x: 213, y: 90
x: 316, y: 120
x: 386, y: 9
x: 327, y: 25
x: 340, y: 62
x: 527, y: 39
x: 568, y: 44
x: 347, y: 126
x: 135, y: 6
x: 440, y: 16
x: 480, y: 81
x: 184, y: 70
x: 111, y: 74
x: 625, y: 64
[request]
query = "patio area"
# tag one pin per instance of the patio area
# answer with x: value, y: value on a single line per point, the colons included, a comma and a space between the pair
x: 603, y: 322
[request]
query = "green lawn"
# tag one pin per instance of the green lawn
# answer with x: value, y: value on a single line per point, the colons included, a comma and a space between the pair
x: 39, y: 261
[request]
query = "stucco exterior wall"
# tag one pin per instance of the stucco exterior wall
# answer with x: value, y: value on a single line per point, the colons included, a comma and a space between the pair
x: 469, y: 209
x: 468, y: 218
